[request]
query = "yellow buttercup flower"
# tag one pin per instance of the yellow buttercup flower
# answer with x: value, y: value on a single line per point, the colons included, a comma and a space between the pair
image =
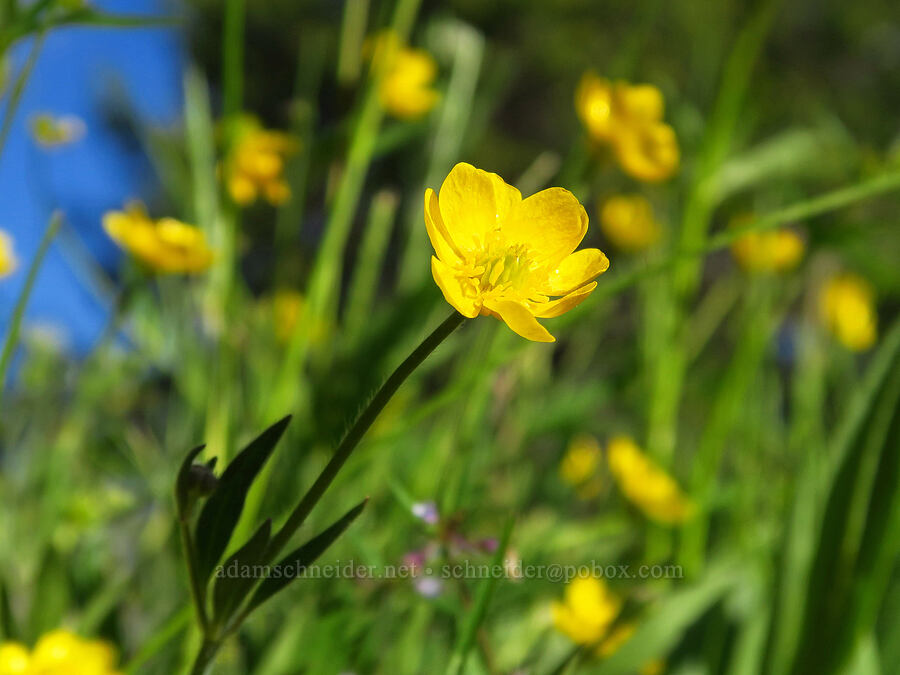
x: 504, y: 256
x: 165, y: 245
x: 579, y: 465
x: 404, y: 76
x: 848, y: 309
x: 629, y: 119
x: 255, y: 164
x: 8, y: 260
x: 58, y: 653
x: 767, y: 251
x: 645, y: 484
x: 628, y: 222
x: 587, y: 611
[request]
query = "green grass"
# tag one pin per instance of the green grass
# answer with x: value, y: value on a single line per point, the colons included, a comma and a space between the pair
x: 786, y: 442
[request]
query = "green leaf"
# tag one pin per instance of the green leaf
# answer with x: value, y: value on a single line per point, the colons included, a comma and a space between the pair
x: 811, y: 543
x: 233, y: 586
x: 844, y: 539
x: 666, y: 625
x: 223, y: 509
x: 183, y: 482
x: 297, y: 561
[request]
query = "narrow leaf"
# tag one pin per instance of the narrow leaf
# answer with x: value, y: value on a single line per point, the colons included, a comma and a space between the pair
x: 238, y: 574
x: 223, y: 509
x: 292, y: 565
x: 479, y: 609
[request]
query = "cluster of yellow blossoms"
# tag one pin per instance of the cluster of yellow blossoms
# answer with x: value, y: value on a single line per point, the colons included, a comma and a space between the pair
x: 629, y: 119
x: 8, y: 260
x: 165, y: 245
x: 504, y: 256
x: 58, y: 653
x: 586, y: 617
x: 628, y: 222
x: 404, y: 76
x: 848, y: 310
x: 642, y: 482
x: 254, y: 166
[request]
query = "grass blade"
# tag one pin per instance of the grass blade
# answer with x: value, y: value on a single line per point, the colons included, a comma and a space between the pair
x: 15, y: 324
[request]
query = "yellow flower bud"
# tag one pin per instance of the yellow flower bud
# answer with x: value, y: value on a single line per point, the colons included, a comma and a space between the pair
x: 587, y: 611
x: 848, y: 310
x: 404, y: 76
x: 628, y: 222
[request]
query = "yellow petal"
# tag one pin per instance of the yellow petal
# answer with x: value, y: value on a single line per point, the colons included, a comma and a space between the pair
x: 437, y: 233
x: 453, y: 292
x: 648, y: 152
x: 641, y: 102
x: 14, y: 659
x: 519, y: 319
x: 576, y: 270
x: 554, y: 308
x: 550, y: 223
x: 473, y: 203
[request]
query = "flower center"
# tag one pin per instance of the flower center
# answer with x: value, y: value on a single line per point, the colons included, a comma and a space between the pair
x: 498, y: 269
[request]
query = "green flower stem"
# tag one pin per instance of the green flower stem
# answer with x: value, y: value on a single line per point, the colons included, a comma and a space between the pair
x: 15, y: 324
x: 353, y: 32
x: 198, y: 591
x: 204, y: 660
x: 670, y: 365
x: 233, y: 57
x: 356, y: 432
x: 375, y: 240
x: 325, y: 279
x: 212, y: 642
x: 15, y: 95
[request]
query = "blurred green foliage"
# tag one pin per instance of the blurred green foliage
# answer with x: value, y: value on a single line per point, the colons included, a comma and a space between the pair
x: 787, y: 441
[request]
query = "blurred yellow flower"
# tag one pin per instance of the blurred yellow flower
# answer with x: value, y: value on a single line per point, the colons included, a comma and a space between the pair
x: 404, y: 76
x: 767, y: 251
x: 8, y: 260
x: 254, y: 166
x: 503, y: 256
x: 587, y: 611
x: 579, y: 465
x: 165, y: 245
x: 848, y: 309
x: 628, y: 222
x: 50, y: 131
x: 58, y: 653
x: 645, y: 484
x: 287, y: 307
x: 629, y: 119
